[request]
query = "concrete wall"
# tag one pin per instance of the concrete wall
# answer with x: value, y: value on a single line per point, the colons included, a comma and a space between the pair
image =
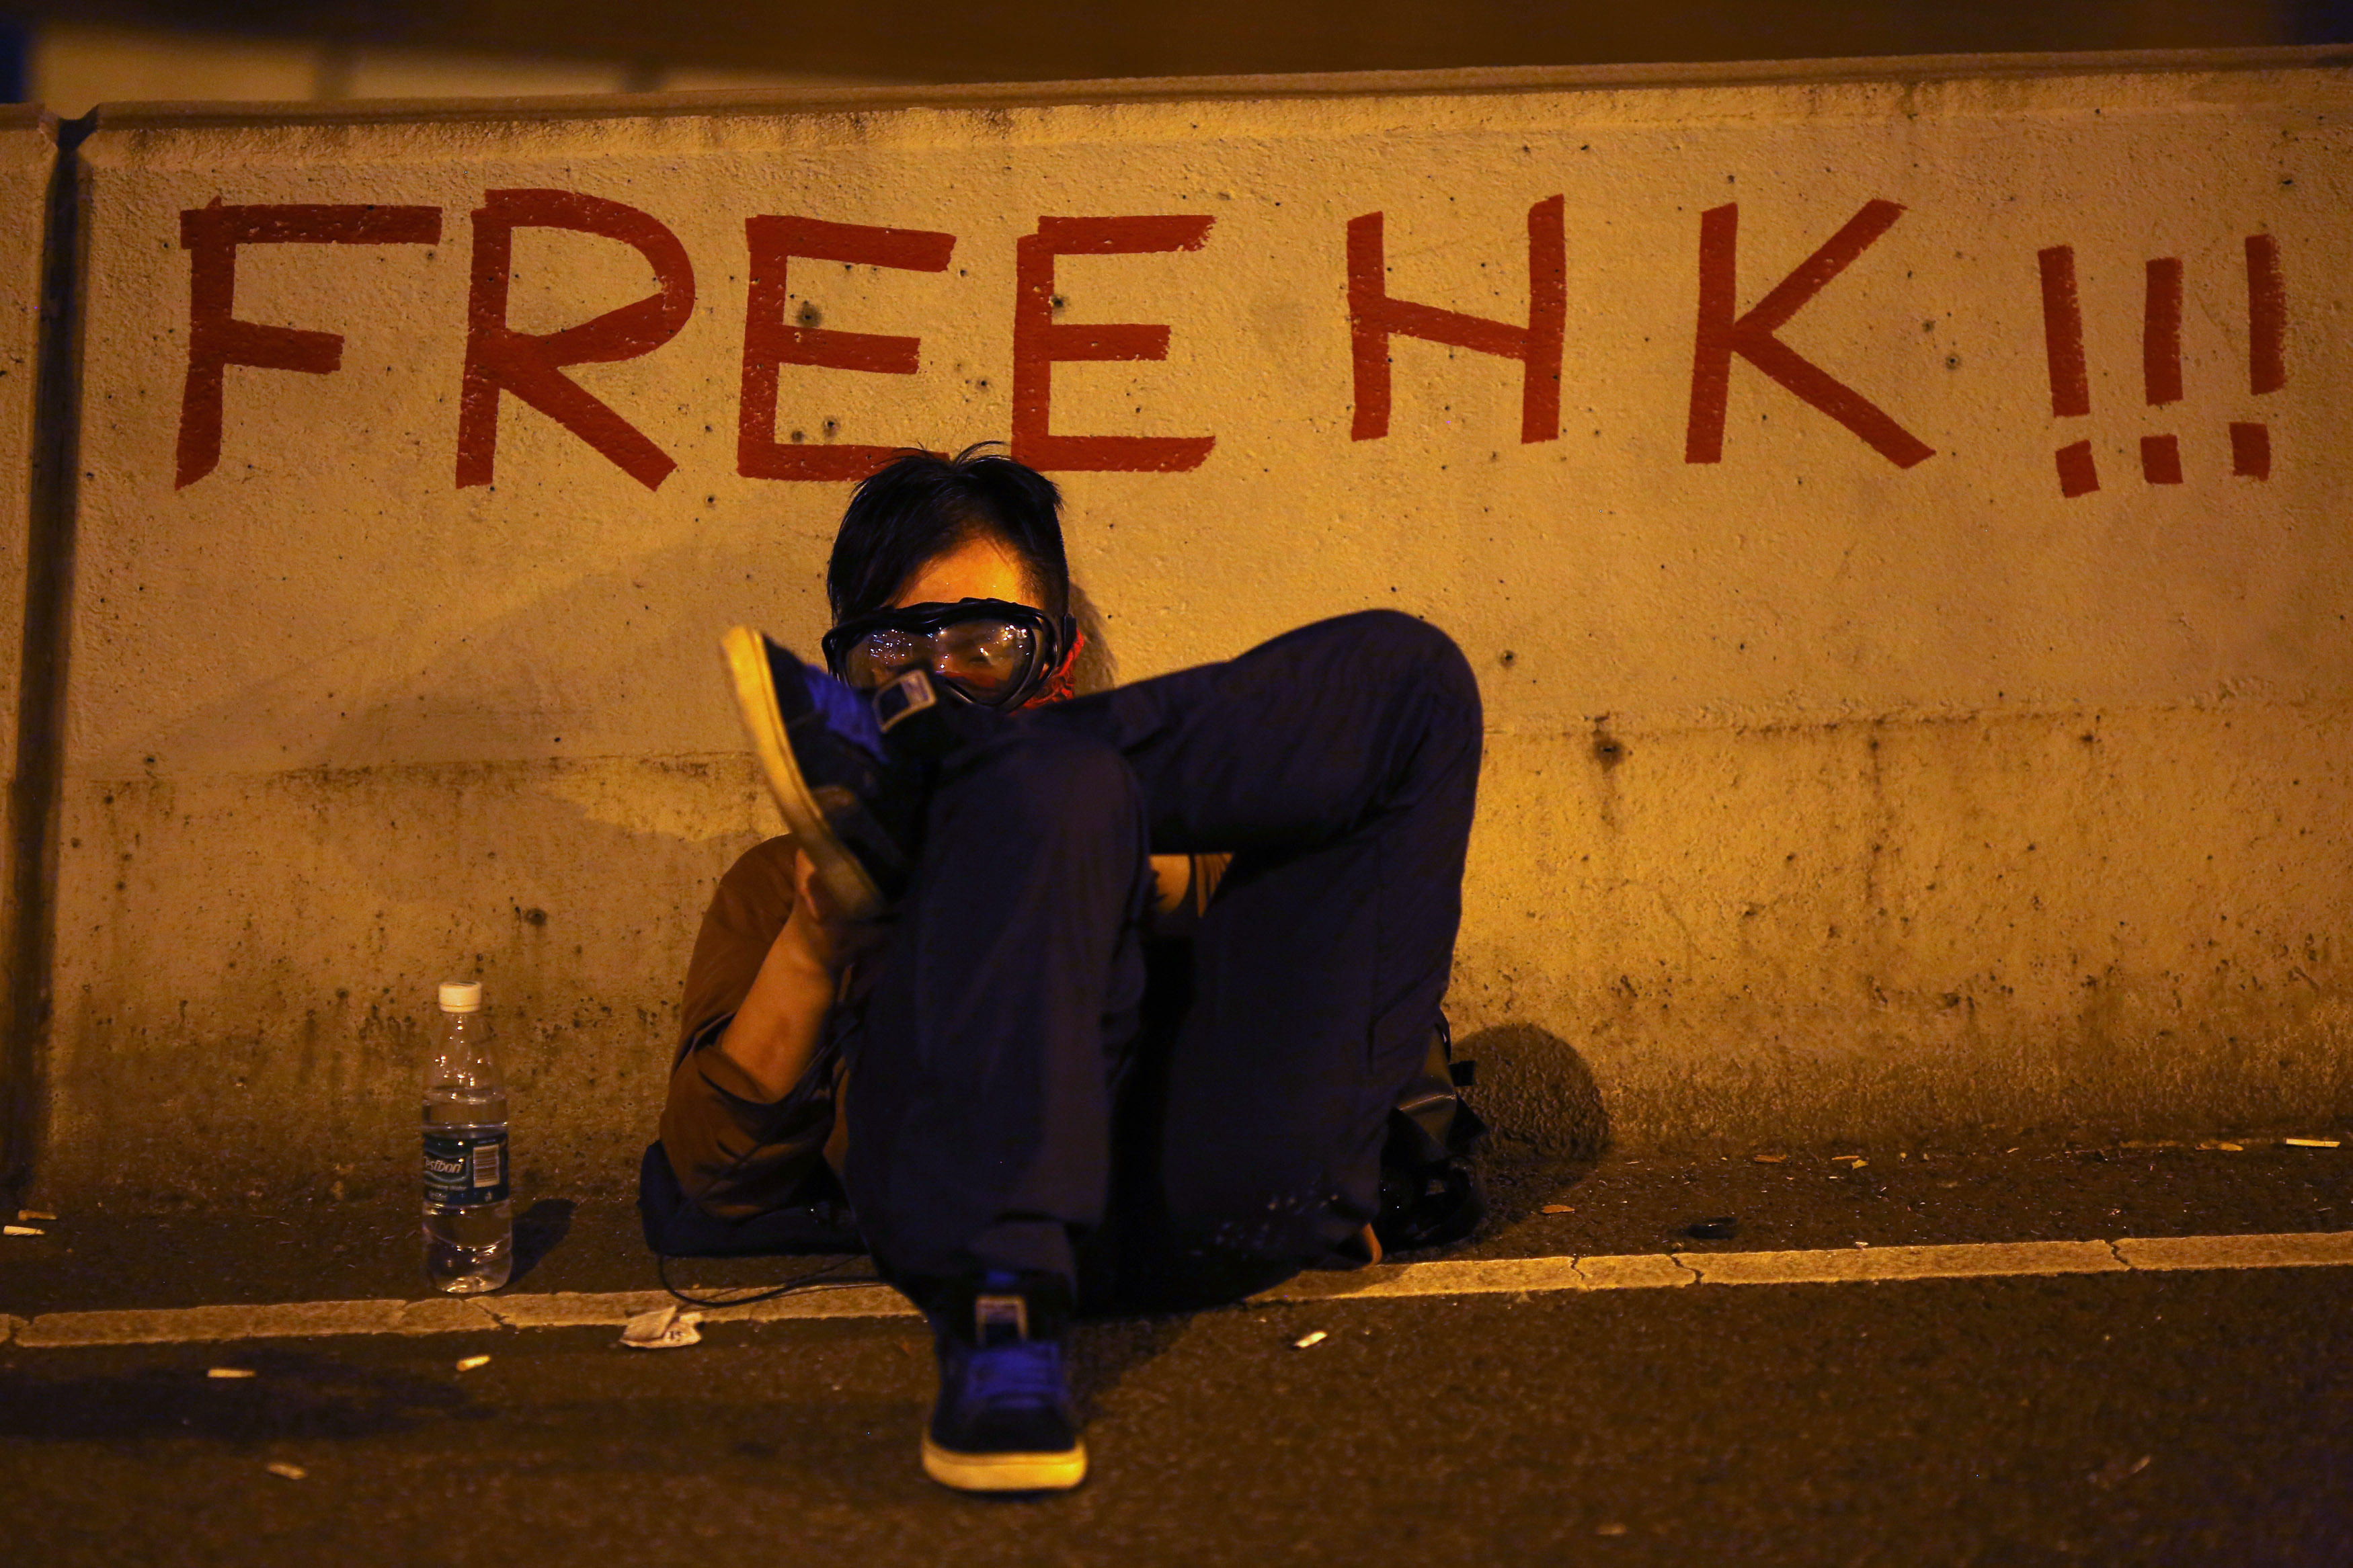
x: 1847, y: 774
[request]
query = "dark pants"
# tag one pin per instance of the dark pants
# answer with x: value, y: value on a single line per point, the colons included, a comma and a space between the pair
x: 997, y: 1065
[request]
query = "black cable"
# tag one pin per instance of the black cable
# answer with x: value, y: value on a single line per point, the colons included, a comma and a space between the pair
x: 815, y: 1279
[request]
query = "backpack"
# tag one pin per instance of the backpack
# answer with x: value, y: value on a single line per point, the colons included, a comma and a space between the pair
x: 1429, y: 1190
x: 1431, y: 1194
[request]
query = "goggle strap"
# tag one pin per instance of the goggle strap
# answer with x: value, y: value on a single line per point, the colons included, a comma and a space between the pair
x: 1062, y: 683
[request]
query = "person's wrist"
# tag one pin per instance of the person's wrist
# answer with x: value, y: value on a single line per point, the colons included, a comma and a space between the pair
x: 810, y: 956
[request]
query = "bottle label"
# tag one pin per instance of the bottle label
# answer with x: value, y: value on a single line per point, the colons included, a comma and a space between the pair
x: 464, y: 1166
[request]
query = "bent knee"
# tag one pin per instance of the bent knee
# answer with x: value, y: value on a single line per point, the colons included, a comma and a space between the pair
x: 1040, y: 779
x: 1409, y: 655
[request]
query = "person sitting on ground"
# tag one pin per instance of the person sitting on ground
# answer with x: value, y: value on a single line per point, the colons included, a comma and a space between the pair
x: 1078, y: 1002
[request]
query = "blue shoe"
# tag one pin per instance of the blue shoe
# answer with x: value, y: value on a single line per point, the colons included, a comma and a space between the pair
x: 1003, y: 1420
x: 821, y: 750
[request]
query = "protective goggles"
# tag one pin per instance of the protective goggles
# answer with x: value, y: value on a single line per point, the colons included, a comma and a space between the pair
x: 991, y: 652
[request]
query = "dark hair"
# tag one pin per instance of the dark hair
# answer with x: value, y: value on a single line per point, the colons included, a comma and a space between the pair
x: 924, y: 504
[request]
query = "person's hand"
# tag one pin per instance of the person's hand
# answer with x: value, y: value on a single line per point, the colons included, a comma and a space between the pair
x: 816, y: 934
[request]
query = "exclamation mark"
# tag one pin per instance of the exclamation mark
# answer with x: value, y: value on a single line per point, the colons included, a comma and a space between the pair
x: 2160, y: 367
x: 2251, y: 444
x: 2071, y: 385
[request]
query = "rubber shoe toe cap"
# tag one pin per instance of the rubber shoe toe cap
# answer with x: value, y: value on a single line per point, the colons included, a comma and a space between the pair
x: 1004, y: 1470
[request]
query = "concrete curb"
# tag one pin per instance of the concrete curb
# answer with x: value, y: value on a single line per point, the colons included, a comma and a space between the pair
x: 290, y: 1319
x: 1468, y: 1277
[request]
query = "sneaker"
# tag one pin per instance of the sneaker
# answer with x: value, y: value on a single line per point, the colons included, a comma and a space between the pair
x: 1003, y: 1420
x: 820, y: 747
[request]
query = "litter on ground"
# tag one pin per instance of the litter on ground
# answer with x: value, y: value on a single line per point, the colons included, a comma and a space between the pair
x: 229, y: 1372
x: 472, y: 1361
x: 1317, y: 1338
x: 287, y: 1471
x: 663, y: 1329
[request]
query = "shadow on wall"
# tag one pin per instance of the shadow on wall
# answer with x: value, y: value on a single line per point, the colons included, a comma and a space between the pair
x: 1547, y: 1128
x: 1538, y: 1096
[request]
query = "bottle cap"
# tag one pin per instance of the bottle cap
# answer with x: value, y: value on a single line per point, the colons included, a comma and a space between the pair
x: 462, y: 997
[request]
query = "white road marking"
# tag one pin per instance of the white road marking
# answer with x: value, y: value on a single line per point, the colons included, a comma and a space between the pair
x: 278, y: 1320
x: 1460, y: 1277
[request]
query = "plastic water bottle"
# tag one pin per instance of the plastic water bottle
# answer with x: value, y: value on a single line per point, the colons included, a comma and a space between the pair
x: 468, y: 1215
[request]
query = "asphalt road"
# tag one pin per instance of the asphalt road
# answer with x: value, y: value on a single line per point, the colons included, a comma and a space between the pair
x: 2116, y: 1418
x: 2186, y: 1419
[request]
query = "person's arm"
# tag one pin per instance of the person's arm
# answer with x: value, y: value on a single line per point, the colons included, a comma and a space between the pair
x: 775, y: 1033
x: 740, y: 1143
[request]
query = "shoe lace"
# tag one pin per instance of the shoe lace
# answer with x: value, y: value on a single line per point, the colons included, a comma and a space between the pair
x: 847, y: 713
x: 1027, y: 1371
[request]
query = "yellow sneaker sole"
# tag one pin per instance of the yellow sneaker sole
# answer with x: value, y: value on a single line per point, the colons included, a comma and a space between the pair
x: 1004, y: 1472
x: 846, y: 881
